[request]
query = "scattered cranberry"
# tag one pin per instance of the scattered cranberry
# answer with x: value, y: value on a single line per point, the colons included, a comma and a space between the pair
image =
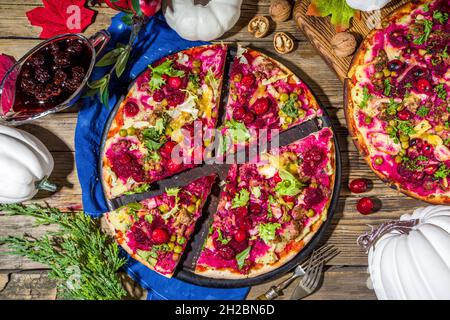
x: 239, y: 113
x: 248, y: 118
x: 431, y: 169
x: 240, y: 235
x: 261, y: 106
x: 241, y: 211
x: 158, y: 96
x: 167, y: 148
x: 404, y: 115
x: 248, y: 80
x: 226, y: 253
x: 176, y: 99
x: 359, y: 185
x: 131, y: 109
x: 174, y: 82
x: 313, y: 196
x: 289, y: 199
x: 160, y: 236
x: 423, y: 85
x: 173, y: 166
x: 314, y: 155
x: 395, y: 65
x: 365, y: 205
x: 427, y: 149
x: 255, y: 209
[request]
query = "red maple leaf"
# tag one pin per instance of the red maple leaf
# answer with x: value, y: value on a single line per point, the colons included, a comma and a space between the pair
x: 61, y: 16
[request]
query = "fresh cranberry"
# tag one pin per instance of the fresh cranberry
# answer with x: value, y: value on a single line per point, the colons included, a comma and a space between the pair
x: 398, y: 38
x: 423, y: 85
x: 241, y: 211
x: 239, y: 113
x: 313, y: 155
x: 240, y: 235
x: 158, y: 96
x: 173, y: 166
x: 290, y: 199
x: 427, y: 149
x: 431, y: 169
x: 243, y: 222
x: 404, y: 115
x: 226, y: 253
x: 174, y: 82
x: 167, y: 148
x: 365, y: 205
x: 131, y: 109
x: 395, y: 65
x: 313, y: 196
x: 359, y: 185
x: 248, y: 80
x: 160, y: 236
x: 176, y: 99
x: 417, y: 176
x: 255, y: 209
x: 418, y: 72
x: 261, y: 106
x: 249, y: 118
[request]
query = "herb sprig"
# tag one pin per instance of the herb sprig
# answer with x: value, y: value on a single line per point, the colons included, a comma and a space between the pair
x: 83, y: 259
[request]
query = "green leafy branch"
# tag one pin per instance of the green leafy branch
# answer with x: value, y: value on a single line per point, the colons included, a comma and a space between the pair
x: 118, y: 58
x: 82, y: 258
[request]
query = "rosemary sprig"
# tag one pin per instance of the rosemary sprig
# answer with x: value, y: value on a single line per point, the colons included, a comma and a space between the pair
x: 81, y: 257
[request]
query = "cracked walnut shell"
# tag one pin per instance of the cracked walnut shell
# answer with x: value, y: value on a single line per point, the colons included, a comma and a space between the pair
x: 259, y: 26
x: 283, y: 43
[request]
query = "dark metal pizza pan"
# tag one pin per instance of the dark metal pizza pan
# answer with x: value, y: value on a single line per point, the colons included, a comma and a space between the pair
x: 186, y: 267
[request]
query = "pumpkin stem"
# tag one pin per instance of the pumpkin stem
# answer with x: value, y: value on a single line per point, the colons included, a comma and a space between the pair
x: 369, y: 238
x: 46, y: 185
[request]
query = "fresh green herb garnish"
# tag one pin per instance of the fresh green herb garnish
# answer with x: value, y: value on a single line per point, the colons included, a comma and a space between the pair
x: 426, y: 7
x: 366, y: 97
x: 406, y: 127
x: 140, y: 189
x: 241, y: 199
x: 82, y: 258
x: 440, y: 17
x: 428, y: 26
x: 290, y: 186
x: 267, y: 231
x: 154, y: 138
x: 387, y: 87
x: 422, y: 111
x: 290, y: 109
x: 238, y: 131
x: 165, y: 68
x: 221, y: 238
x: 242, y: 256
x: 442, y: 172
x: 392, y: 107
x: 441, y: 92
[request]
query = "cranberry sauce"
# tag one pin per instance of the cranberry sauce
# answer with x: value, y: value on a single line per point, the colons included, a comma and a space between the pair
x: 51, y: 75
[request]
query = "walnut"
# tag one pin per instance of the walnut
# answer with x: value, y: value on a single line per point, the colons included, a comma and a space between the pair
x: 259, y: 26
x: 343, y: 44
x: 280, y: 10
x: 283, y: 43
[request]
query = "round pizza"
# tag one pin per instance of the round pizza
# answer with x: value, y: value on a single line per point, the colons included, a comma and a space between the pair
x: 397, y: 100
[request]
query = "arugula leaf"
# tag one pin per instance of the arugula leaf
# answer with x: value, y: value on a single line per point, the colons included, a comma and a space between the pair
x: 428, y: 26
x: 440, y: 17
x: 238, y: 131
x: 173, y: 192
x: 387, y: 87
x: 221, y: 238
x: 392, y: 107
x: 140, y: 189
x: 422, y: 111
x: 366, y: 97
x: 341, y: 13
x: 290, y: 186
x: 242, y: 256
x: 290, y: 109
x: 441, y: 92
x: 442, y: 172
x: 165, y: 68
x: 241, y: 199
x: 267, y: 231
x: 154, y: 138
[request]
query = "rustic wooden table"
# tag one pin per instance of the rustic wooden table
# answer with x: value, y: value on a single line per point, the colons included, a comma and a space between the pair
x: 345, y: 276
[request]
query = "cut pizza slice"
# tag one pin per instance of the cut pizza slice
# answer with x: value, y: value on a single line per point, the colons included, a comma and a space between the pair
x: 155, y: 231
x: 270, y: 209
x: 151, y: 136
x: 264, y: 94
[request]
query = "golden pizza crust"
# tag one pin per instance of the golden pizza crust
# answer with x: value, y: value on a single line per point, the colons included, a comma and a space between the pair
x: 349, y: 106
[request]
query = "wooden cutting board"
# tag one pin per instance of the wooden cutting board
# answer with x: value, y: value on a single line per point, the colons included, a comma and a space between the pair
x: 320, y: 31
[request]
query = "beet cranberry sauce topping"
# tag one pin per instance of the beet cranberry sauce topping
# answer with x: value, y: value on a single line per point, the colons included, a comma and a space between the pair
x: 51, y: 75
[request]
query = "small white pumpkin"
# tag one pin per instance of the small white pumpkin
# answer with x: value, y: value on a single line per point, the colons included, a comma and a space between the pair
x: 25, y: 164
x: 193, y: 20
x: 410, y: 258
x: 367, y: 5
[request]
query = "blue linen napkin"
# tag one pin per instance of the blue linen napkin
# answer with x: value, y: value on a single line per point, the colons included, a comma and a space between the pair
x: 155, y: 41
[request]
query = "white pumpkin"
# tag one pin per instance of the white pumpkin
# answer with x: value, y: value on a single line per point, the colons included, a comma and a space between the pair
x: 410, y: 258
x: 367, y: 5
x: 25, y: 164
x: 194, y: 21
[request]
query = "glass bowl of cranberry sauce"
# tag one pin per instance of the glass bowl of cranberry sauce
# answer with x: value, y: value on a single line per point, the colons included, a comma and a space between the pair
x: 49, y: 78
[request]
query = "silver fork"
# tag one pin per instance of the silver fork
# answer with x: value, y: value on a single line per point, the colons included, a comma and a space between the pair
x: 323, y: 254
x: 309, y: 282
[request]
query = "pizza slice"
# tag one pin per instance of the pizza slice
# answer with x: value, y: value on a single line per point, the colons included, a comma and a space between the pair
x: 155, y: 231
x: 151, y: 136
x: 270, y: 209
x: 264, y: 94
